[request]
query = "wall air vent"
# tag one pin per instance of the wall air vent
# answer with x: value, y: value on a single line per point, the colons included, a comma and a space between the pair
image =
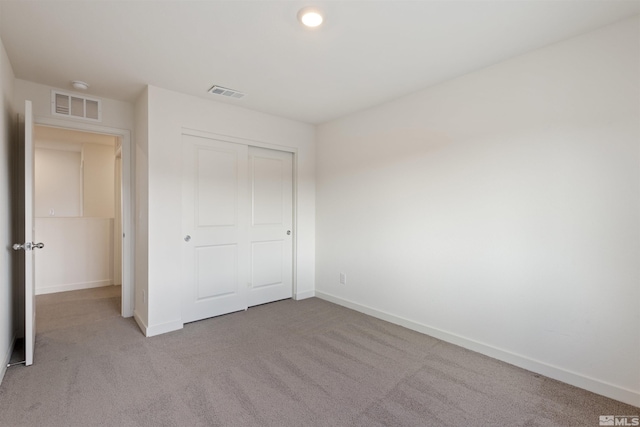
x: 226, y: 92
x: 75, y: 106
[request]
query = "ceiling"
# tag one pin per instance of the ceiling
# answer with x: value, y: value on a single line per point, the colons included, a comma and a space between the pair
x: 366, y: 52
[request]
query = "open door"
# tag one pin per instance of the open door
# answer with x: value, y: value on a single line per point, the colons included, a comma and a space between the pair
x: 28, y: 246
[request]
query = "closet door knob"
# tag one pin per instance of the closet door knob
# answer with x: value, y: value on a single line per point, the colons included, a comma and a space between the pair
x: 187, y: 238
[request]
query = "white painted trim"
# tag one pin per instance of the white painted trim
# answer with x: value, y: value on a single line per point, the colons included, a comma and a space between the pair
x: 74, y: 286
x: 127, y: 199
x: 294, y: 226
x: 163, y: 328
x: 7, y: 358
x: 140, y: 322
x: 236, y: 140
x: 304, y: 295
x: 612, y: 391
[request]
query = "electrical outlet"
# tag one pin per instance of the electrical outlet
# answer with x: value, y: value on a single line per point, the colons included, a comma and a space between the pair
x: 343, y: 278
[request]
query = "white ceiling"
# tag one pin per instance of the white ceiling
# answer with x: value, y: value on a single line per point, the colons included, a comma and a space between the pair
x: 366, y: 52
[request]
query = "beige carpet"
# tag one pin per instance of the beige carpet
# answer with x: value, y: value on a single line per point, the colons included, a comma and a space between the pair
x: 306, y: 363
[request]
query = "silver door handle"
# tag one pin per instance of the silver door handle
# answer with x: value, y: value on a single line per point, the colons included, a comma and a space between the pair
x: 27, y: 246
x: 23, y: 246
x: 288, y: 232
x: 187, y: 238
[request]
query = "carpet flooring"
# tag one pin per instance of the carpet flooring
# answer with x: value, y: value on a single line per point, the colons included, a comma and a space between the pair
x: 288, y: 363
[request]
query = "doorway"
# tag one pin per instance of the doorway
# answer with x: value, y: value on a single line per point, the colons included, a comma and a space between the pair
x: 83, y: 210
x: 75, y: 192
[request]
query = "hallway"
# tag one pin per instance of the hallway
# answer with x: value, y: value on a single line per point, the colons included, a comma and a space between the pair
x: 68, y: 309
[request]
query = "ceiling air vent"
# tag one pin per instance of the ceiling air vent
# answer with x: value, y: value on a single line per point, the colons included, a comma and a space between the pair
x: 76, y: 106
x: 229, y: 93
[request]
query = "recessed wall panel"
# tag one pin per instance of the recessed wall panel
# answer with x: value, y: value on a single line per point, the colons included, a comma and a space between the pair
x: 267, y: 191
x: 216, y: 188
x: 216, y: 268
x: 266, y: 263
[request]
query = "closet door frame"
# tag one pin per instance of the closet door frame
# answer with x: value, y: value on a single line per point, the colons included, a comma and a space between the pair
x: 270, y: 146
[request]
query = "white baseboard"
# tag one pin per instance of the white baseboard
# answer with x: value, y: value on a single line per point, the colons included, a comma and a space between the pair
x: 73, y: 287
x: 163, y: 328
x: 603, y: 388
x: 304, y: 295
x: 7, y: 358
x: 140, y: 322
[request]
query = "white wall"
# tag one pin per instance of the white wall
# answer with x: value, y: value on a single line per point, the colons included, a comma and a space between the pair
x: 58, y: 183
x: 80, y: 248
x: 500, y: 211
x: 141, y: 267
x: 71, y: 184
x: 98, y: 180
x: 170, y: 112
x: 115, y: 114
x: 7, y: 139
x: 117, y: 223
x: 79, y: 254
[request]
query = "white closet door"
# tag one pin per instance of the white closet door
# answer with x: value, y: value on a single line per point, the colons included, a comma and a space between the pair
x: 270, y: 230
x: 215, y: 226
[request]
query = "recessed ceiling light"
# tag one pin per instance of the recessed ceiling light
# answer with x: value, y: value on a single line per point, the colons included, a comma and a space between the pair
x: 310, y: 17
x: 79, y: 85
